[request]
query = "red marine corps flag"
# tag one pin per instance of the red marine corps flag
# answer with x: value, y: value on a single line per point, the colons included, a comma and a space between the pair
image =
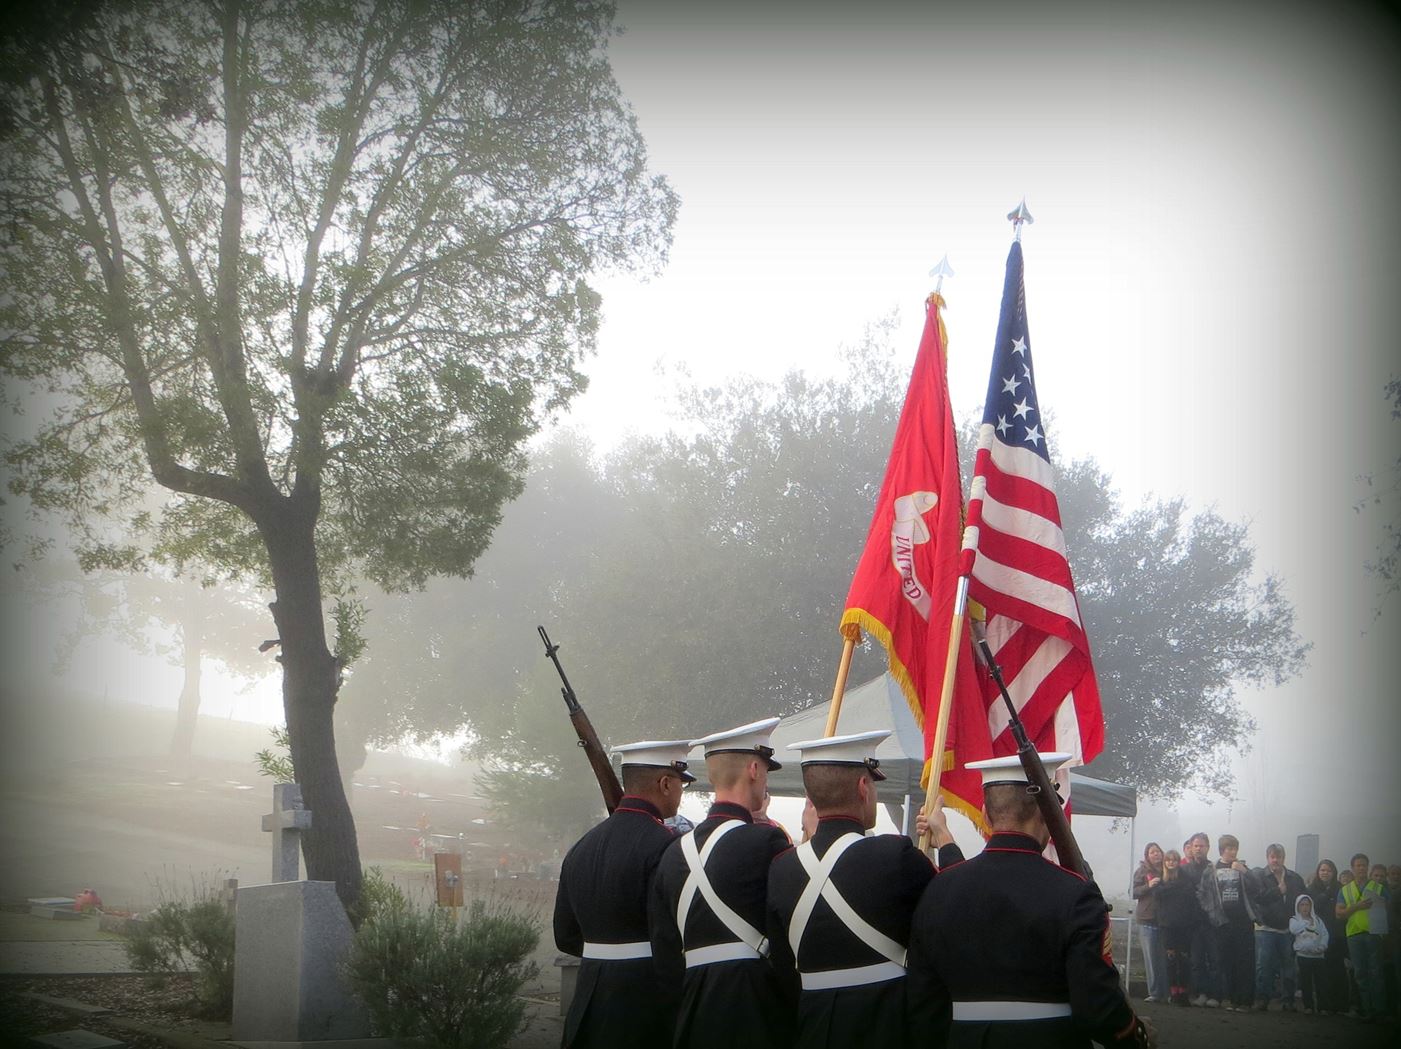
x: 903, y: 590
x: 1015, y: 550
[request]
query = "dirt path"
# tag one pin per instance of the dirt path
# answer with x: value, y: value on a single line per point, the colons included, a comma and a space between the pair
x: 1179, y: 1026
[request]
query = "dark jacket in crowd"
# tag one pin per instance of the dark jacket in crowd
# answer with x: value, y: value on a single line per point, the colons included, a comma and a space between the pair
x: 1209, y: 896
x: 1191, y: 871
x: 1177, y: 903
x: 1275, y: 906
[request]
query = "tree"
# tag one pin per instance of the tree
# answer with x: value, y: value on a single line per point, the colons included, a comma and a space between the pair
x: 1178, y: 621
x: 319, y: 269
x: 188, y: 621
x: 703, y: 584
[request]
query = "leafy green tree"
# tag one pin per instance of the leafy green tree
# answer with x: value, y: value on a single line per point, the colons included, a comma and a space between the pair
x: 190, y: 622
x: 1179, y: 620
x: 319, y: 269
x: 696, y: 581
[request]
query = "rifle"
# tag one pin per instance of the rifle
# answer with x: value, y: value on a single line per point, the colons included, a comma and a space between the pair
x: 588, y: 738
x: 1047, y: 800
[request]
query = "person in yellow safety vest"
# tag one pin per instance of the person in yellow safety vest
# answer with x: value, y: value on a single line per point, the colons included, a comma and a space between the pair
x: 1355, y: 901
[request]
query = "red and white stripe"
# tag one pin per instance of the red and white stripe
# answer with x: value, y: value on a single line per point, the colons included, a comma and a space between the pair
x: 1021, y: 576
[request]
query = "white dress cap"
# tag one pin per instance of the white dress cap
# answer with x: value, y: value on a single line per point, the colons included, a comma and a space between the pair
x: 661, y: 754
x: 1009, y: 769
x: 747, y: 739
x: 858, y: 748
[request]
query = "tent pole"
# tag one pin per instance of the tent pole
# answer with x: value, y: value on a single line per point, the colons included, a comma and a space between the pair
x: 905, y: 821
x: 839, y: 690
x: 1128, y: 955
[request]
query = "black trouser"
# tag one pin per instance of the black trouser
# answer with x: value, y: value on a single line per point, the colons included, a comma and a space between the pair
x: 1206, y: 962
x: 1313, y: 974
x: 1177, y: 940
x: 1333, y: 986
x: 1235, y: 944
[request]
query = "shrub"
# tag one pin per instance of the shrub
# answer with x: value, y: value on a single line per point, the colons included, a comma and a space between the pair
x: 451, y: 980
x: 377, y: 895
x: 178, y: 934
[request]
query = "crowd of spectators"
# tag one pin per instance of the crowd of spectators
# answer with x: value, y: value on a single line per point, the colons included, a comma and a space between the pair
x: 1222, y: 934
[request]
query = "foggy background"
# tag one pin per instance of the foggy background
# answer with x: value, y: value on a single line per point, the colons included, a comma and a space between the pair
x: 1209, y: 279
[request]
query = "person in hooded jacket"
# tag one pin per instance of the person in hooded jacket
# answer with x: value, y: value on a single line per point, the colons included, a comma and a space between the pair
x: 1310, y: 934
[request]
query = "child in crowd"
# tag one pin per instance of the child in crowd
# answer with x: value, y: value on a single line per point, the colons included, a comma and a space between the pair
x: 1310, y: 945
x: 1178, y: 915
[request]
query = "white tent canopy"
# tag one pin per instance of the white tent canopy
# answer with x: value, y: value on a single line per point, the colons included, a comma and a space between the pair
x: 879, y: 704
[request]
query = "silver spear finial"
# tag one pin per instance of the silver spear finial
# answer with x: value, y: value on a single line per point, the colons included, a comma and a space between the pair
x: 941, y: 271
x: 1019, y: 216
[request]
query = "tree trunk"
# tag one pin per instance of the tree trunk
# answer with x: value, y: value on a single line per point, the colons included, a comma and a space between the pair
x: 352, y: 750
x: 310, y: 681
x: 187, y: 711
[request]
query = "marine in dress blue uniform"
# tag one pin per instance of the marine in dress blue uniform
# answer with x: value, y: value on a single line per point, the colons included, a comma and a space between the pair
x: 1009, y: 949
x: 707, y: 906
x: 840, y: 904
x: 600, y: 914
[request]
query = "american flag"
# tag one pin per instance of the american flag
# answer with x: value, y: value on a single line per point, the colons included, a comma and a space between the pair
x: 1019, y: 570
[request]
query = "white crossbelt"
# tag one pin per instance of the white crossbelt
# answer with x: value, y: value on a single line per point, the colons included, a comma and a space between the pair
x: 754, y: 943
x: 617, y: 952
x: 999, y: 1012
x: 820, y: 885
x: 832, y: 979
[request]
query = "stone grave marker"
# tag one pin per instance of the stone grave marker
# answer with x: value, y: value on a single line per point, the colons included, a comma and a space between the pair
x: 290, y: 939
x: 57, y: 908
x: 288, y: 818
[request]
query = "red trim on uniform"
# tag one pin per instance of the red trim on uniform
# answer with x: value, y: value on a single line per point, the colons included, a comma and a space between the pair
x: 650, y: 811
x: 1067, y: 870
x: 1032, y: 848
x: 1128, y: 1028
x: 730, y: 811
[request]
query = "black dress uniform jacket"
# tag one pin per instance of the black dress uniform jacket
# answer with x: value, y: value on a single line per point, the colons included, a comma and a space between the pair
x: 727, y: 1004
x: 1010, y: 926
x: 602, y: 899
x: 881, y: 878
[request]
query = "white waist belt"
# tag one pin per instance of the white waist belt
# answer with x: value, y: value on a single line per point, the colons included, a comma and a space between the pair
x: 720, y: 952
x: 617, y: 952
x: 857, y: 977
x: 995, y: 1012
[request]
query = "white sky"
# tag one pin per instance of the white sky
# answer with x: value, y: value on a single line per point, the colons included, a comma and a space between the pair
x: 1207, y: 278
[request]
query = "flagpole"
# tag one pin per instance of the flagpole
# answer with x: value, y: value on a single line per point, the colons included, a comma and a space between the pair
x: 941, y: 726
x: 839, y: 690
